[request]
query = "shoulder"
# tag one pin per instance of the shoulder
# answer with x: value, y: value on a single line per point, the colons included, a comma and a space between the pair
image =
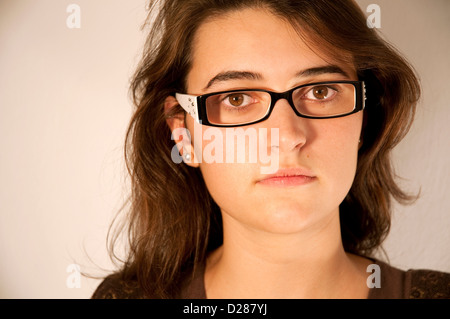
x: 115, y: 286
x: 118, y: 286
x: 429, y: 284
x: 411, y: 284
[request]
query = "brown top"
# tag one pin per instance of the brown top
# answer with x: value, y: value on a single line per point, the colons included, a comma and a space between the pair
x: 394, y: 284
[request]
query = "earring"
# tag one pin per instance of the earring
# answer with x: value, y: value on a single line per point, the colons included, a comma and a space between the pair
x: 187, y: 157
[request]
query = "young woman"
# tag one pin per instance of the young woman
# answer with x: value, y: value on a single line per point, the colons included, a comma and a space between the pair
x: 323, y: 97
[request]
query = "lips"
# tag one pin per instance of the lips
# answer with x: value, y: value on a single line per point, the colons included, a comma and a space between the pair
x: 288, y: 177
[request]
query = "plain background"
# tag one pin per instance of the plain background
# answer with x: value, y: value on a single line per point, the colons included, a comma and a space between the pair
x: 64, y: 109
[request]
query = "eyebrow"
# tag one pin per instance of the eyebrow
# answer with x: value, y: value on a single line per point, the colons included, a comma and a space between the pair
x: 331, y: 69
x: 233, y: 75
x: 328, y: 69
x: 246, y: 75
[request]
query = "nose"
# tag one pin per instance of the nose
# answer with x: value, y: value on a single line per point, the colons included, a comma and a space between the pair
x: 292, y: 128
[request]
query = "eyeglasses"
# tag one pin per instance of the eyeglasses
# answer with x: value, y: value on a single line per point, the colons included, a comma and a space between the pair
x: 322, y: 100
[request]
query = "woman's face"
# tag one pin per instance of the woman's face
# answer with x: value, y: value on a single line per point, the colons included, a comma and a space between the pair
x: 316, y: 157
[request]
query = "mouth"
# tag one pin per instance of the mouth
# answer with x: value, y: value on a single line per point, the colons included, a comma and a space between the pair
x: 288, y: 177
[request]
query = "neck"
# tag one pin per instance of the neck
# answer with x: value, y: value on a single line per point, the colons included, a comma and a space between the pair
x: 256, y: 264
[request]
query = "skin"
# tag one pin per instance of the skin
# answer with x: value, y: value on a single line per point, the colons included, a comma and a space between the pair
x: 279, y: 241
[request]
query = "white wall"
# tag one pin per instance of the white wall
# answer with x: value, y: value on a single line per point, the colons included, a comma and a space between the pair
x: 64, y: 108
x: 420, y: 235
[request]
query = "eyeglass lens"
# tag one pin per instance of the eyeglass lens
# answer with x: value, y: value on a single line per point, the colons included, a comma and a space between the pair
x: 321, y: 100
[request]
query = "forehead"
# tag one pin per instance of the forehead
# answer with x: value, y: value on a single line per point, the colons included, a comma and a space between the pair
x: 252, y: 40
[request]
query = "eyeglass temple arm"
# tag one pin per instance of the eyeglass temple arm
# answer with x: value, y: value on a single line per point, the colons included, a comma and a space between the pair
x: 189, y: 104
x: 364, y: 95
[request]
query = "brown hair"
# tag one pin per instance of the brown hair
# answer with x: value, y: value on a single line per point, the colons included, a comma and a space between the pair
x: 172, y: 222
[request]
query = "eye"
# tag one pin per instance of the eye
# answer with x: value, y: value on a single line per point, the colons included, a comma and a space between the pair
x: 320, y: 93
x: 237, y: 99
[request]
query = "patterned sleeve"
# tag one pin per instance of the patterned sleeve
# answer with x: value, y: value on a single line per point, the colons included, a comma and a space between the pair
x: 113, y: 287
x: 428, y: 284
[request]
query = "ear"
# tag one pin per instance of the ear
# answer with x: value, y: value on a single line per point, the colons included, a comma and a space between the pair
x: 180, y: 133
x: 174, y: 121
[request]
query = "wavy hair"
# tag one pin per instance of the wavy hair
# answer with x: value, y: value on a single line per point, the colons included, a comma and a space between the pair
x: 172, y: 222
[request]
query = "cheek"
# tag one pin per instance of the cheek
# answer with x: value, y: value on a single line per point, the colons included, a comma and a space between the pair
x: 225, y: 168
x: 227, y: 183
x: 221, y: 178
x: 337, y: 149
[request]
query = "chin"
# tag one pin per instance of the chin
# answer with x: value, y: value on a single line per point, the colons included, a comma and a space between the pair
x: 292, y: 218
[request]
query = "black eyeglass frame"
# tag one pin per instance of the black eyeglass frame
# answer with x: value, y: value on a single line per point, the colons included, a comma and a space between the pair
x: 195, y: 105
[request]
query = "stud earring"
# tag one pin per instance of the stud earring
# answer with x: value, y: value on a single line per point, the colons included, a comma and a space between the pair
x: 187, y: 157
